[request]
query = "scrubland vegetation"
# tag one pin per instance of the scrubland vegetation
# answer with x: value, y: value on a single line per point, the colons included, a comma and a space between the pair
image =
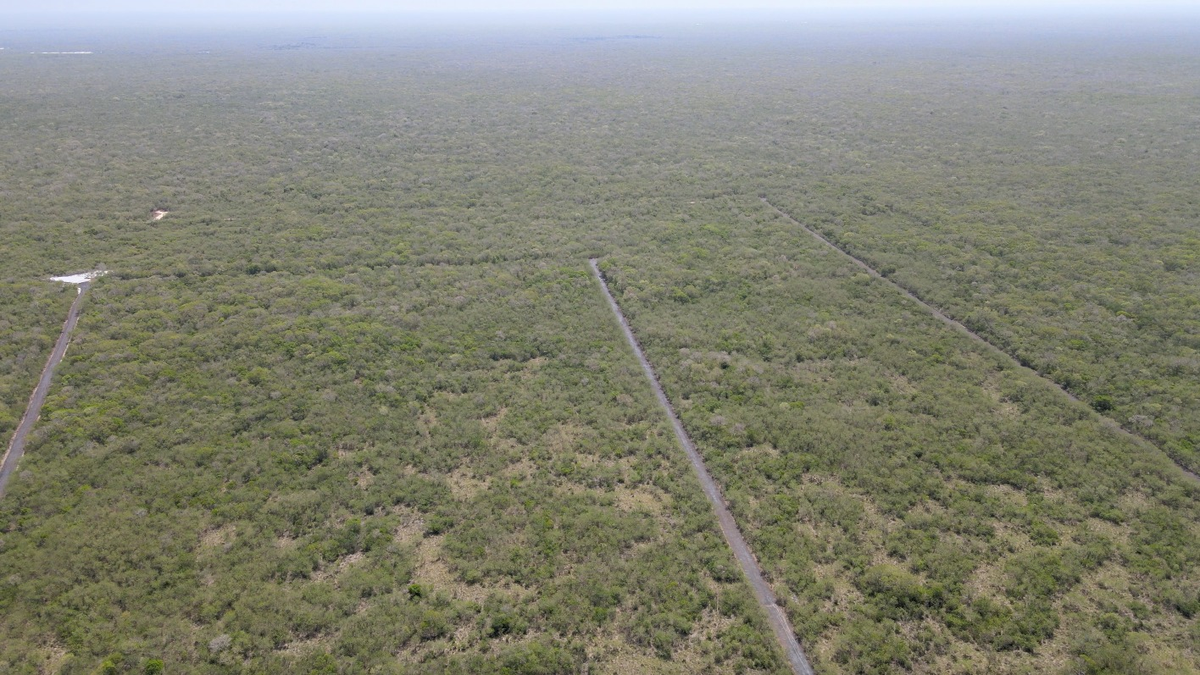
x: 1049, y: 211
x: 31, y: 314
x: 919, y: 501
x: 355, y: 405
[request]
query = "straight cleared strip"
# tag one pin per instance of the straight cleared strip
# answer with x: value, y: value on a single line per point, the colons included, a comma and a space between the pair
x: 16, y: 446
x: 1107, y: 421
x: 775, y: 616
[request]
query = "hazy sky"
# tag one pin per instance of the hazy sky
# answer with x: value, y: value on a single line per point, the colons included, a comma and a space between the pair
x: 158, y: 6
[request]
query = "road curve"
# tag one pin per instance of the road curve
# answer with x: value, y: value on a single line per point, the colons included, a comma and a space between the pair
x: 945, y: 318
x: 16, y: 446
x: 766, y: 598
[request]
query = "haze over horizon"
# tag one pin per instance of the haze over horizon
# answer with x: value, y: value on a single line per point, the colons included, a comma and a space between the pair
x: 589, y: 6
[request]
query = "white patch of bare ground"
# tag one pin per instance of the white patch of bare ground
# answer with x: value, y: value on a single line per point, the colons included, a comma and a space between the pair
x: 81, y: 278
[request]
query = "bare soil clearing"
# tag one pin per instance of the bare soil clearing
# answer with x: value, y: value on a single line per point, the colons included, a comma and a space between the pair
x: 81, y: 278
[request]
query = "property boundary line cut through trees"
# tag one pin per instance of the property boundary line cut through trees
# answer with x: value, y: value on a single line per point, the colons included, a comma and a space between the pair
x: 741, y: 550
x: 946, y: 319
x: 16, y: 445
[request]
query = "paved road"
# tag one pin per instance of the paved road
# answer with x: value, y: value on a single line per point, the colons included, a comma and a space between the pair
x: 775, y: 616
x: 945, y: 318
x: 16, y: 446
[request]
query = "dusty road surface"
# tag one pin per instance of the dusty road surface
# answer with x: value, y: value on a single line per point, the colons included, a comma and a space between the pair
x: 16, y: 446
x: 766, y: 598
x: 946, y: 319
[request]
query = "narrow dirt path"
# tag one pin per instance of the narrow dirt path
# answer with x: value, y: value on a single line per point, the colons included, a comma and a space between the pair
x: 16, y: 446
x: 944, y: 318
x: 766, y: 598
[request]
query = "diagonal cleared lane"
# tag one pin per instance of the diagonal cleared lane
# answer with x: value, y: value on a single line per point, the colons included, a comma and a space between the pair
x: 962, y: 328
x: 762, y: 592
x: 16, y: 446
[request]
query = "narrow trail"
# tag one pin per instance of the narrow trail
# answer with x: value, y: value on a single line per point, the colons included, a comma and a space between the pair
x: 766, y: 598
x: 944, y: 318
x: 16, y: 446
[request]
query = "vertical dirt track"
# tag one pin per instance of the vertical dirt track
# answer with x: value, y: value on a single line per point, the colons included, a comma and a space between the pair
x: 762, y: 592
x: 16, y: 446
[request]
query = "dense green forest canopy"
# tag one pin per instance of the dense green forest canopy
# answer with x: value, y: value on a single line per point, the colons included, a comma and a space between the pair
x: 355, y: 404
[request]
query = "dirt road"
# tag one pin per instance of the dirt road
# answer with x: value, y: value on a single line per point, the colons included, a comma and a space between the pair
x: 16, y: 446
x: 944, y: 318
x: 766, y: 598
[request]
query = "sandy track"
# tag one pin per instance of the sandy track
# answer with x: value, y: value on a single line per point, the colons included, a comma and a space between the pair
x: 766, y: 598
x: 16, y: 446
x: 944, y: 318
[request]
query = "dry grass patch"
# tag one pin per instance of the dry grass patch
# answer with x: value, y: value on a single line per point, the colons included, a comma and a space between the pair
x: 459, y: 643
x: 332, y: 572
x: 761, y: 450
x: 563, y: 437
x: 641, y: 498
x: 411, y: 528
x: 874, y: 525
x: 1109, y: 588
x: 532, y: 366
x: 710, y: 625
x: 492, y: 423
x: 1001, y: 406
x: 520, y: 469
x: 612, y: 654
x: 987, y: 581
x: 426, y: 421
x: 1009, y: 539
x: 640, y: 547
x: 53, y: 659
x: 463, y: 485
x: 1007, y: 494
x: 1118, y: 534
x: 1134, y: 502
x: 434, y: 574
x: 959, y: 657
x: 221, y: 537
x: 628, y: 662
x: 309, y: 647
x: 343, y: 450
x: 901, y: 384
x: 845, y: 595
